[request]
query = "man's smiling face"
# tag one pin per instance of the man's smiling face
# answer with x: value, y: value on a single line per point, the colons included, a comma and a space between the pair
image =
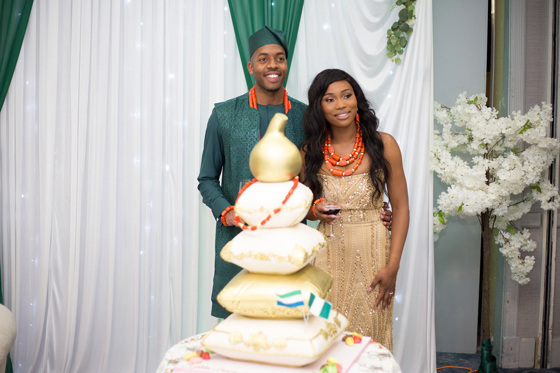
x: 269, y: 67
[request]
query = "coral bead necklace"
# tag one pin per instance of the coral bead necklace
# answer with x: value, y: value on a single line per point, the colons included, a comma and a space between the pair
x: 332, y: 159
x: 253, y: 100
x: 253, y: 103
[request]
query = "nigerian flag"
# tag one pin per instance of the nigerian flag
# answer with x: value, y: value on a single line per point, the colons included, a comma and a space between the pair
x: 319, y: 307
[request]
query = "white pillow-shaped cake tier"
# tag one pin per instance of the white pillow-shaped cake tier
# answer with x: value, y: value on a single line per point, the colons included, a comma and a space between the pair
x: 274, y: 251
x: 260, y: 200
x: 278, y: 342
x: 256, y: 295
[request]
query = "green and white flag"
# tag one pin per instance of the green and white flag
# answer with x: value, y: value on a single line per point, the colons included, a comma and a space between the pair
x: 319, y: 307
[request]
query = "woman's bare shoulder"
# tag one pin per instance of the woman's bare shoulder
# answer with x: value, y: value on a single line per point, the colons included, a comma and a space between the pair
x: 391, y: 148
x: 388, y: 140
x: 386, y: 136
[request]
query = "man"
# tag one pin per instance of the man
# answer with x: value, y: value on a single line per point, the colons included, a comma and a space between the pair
x: 234, y: 128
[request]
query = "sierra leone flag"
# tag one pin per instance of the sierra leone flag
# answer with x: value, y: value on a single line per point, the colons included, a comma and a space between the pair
x: 291, y: 299
x: 319, y: 307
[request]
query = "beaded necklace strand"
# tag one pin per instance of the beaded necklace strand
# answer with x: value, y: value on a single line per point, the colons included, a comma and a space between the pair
x: 274, y: 212
x: 253, y: 103
x: 332, y: 159
x: 253, y: 100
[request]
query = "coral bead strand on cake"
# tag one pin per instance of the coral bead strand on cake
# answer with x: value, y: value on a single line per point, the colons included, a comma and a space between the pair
x: 274, y: 212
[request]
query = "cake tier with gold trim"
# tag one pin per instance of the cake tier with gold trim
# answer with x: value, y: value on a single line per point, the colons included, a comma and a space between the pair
x: 260, y: 200
x: 276, y: 250
x: 255, y: 295
x: 275, y: 341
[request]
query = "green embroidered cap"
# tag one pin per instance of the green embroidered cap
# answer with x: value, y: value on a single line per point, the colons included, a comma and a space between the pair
x: 267, y: 35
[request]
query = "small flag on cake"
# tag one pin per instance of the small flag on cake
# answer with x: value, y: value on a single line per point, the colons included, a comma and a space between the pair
x: 291, y: 299
x: 319, y: 307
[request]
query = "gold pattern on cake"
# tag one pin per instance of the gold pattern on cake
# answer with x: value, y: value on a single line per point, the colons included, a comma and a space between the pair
x: 258, y: 341
x: 235, y: 338
x: 297, y: 256
x: 280, y: 343
x: 330, y: 330
x: 269, y: 312
x: 304, y: 205
x: 337, y: 321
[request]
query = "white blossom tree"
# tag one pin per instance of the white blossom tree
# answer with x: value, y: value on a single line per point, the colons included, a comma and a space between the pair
x: 494, y: 167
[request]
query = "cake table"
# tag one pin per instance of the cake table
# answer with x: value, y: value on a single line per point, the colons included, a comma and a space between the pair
x: 365, y: 357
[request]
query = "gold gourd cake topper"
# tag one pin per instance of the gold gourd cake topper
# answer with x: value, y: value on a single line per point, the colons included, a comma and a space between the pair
x: 275, y: 158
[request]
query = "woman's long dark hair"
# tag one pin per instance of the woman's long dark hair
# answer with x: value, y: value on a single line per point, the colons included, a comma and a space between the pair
x: 315, y: 126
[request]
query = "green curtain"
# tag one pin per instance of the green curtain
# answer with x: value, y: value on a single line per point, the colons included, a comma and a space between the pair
x: 249, y: 16
x: 14, y: 15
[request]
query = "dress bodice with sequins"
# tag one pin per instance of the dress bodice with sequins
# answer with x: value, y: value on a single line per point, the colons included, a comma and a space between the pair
x: 360, y: 250
x: 355, y: 194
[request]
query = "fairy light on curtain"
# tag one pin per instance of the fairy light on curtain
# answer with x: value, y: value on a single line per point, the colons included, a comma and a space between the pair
x: 14, y: 15
x: 402, y: 98
x: 99, y: 198
x: 103, y: 142
x: 250, y: 16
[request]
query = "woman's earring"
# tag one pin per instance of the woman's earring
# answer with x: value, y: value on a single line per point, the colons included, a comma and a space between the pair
x: 357, y: 118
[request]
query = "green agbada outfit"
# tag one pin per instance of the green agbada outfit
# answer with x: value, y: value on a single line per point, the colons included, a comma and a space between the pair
x: 233, y: 129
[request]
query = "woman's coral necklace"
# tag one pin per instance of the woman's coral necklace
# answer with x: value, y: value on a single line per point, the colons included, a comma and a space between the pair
x: 332, y: 159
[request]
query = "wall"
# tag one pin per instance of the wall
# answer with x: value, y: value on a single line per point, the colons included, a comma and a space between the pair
x: 460, y: 39
x: 520, y: 341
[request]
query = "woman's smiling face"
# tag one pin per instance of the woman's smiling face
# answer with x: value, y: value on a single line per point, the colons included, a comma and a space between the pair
x: 339, y: 104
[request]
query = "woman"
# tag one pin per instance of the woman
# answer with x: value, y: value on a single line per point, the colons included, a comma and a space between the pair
x: 348, y: 163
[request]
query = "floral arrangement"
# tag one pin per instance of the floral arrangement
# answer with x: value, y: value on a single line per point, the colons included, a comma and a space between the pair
x: 494, y: 167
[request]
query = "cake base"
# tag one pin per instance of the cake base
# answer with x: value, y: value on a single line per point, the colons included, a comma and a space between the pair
x: 344, y: 354
x: 371, y: 357
x: 288, y: 342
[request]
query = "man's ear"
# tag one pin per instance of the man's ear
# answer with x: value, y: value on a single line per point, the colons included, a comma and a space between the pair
x: 250, y: 67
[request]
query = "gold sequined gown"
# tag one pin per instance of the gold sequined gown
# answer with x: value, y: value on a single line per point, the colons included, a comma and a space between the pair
x: 360, y: 252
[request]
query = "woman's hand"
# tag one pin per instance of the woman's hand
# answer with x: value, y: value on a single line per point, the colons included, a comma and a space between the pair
x: 386, y: 278
x: 322, y: 208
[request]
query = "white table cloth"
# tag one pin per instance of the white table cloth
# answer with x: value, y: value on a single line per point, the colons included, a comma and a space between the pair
x: 375, y: 358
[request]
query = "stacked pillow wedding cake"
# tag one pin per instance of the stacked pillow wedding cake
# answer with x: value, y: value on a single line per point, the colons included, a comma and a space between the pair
x: 270, y: 298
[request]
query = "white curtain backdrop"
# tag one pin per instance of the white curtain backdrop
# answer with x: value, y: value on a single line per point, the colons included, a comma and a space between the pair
x: 107, y: 250
x: 352, y: 35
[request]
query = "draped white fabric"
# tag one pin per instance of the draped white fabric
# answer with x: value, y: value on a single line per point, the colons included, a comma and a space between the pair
x: 107, y: 250
x: 352, y: 35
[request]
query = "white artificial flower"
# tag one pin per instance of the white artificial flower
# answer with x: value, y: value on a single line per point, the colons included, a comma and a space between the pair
x: 494, y: 165
x: 547, y: 195
x: 515, y: 211
x: 442, y: 114
x: 511, y: 246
